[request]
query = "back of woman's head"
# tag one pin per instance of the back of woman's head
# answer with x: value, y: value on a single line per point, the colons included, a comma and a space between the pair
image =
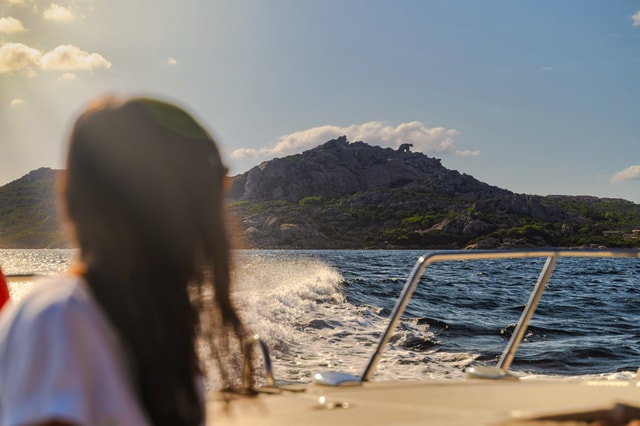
x: 144, y: 194
x: 141, y: 168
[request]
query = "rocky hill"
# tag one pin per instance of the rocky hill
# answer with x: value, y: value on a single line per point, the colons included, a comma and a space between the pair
x: 353, y: 195
x: 338, y: 168
x: 29, y: 216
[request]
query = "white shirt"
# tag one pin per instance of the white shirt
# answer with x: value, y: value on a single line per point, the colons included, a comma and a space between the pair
x: 61, y: 359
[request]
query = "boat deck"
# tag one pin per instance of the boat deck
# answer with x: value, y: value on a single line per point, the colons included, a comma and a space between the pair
x: 471, y: 402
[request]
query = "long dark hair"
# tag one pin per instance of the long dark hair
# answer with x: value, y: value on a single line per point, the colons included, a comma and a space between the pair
x: 144, y: 193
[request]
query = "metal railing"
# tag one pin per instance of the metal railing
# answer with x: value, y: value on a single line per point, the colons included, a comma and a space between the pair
x: 502, y: 367
x: 249, y: 346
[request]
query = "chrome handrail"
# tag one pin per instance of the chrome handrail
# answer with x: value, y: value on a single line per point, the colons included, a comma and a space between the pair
x: 518, y: 333
x: 509, y: 353
x: 249, y: 346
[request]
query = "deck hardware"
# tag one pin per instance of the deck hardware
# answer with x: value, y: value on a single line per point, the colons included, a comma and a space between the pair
x: 335, y: 378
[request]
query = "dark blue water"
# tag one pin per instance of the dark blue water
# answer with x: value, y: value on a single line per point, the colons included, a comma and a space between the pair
x: 588, y: 320
x: 325, y: 310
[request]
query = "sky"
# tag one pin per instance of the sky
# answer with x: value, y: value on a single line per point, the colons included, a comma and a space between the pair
x: 538, y: 97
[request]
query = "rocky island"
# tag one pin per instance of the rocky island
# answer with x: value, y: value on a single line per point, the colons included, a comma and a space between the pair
x: 354, y: 195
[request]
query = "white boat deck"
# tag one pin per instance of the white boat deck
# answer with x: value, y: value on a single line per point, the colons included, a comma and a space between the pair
x: 471, y: 402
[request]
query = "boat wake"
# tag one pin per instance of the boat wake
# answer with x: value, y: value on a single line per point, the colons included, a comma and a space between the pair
x: 298, y: 307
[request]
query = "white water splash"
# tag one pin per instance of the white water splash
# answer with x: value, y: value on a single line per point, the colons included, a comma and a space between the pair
x: 296, y: 305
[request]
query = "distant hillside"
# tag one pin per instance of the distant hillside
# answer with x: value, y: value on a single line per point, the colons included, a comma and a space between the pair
x: 29, y: 215
x: 353, y: 195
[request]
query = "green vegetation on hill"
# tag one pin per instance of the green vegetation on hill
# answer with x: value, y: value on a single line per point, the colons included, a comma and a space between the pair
x: 345, y: 194
x: 29, y: 215
x: 406, y: 218
x: 600, y: 215
x: 415, y: 215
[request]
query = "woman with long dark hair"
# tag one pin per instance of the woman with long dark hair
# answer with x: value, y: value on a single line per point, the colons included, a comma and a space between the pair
x: 125, y: 338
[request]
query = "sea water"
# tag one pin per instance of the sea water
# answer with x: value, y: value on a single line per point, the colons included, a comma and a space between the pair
x: 325, y: 310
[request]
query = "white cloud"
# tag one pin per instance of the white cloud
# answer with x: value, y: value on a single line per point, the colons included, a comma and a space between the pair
x: 11, y: 25
x: 436, y: 140
x: 68, y: 76
x: 636, y: 19
x: 58, y: 13
x: 70, y: 58
x: 15, y: 1
x: 467, y: 153
x: 15, y: 102
x: 630, y: 173
x: 17, y: 57
x: 546, y: 69
x: 172, y: 61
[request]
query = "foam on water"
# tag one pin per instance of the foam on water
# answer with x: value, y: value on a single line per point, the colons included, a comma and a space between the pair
x: 297, y: 306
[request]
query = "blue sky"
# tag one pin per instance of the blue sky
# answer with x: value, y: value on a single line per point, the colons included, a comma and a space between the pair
x: 538, y: 97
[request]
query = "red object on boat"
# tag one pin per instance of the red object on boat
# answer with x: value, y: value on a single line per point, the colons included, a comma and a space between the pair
x: 4, y: 290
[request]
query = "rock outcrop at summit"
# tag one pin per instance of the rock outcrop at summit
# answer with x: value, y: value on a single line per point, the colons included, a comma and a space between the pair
x: 339, y: 168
